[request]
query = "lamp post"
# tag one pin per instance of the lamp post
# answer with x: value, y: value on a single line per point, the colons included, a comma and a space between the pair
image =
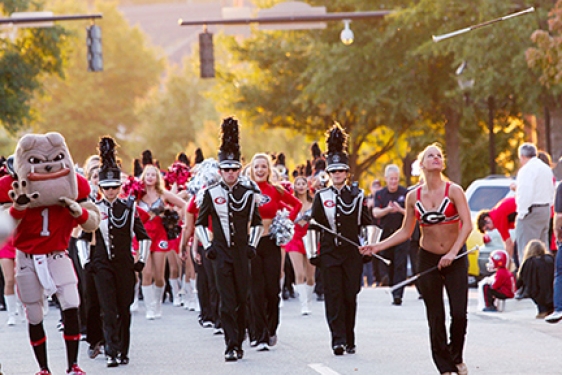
x: 466, y: 84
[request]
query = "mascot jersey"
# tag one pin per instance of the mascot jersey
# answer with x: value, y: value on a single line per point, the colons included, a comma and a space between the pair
x: 43, y: 230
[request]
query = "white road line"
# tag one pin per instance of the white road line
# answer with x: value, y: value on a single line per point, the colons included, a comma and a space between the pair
x: 321, y: 369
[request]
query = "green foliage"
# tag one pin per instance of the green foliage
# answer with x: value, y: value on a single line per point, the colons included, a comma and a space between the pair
x: 26, y: 55
x: 84, y: 105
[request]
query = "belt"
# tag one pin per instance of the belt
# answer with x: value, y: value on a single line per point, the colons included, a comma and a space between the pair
x: 30, y: 256
x: 540, y: 205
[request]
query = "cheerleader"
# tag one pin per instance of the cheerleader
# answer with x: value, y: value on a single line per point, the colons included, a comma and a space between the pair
x: 304, y: 271
x: 153, y: 202
x: 266, y: 266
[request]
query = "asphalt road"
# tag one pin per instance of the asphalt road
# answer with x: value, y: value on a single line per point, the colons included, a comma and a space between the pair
x: 390, y: 340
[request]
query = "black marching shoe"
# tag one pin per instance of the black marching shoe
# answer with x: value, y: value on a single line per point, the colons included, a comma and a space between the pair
x: 397, y: 301
x: 123, y: 359
x: 239, y: 353
x: 230, y: 356
x: 350, y: 349
x: 338, y: 349
x: 112, y: 362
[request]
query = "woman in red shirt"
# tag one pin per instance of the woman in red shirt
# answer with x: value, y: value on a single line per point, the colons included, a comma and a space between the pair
x: 153, y: 203
x: 304, y: 271
x: 266, y: 266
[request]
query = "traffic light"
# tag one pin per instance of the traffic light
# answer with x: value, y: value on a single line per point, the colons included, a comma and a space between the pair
x: 95, y: 56
x: 206, y: 55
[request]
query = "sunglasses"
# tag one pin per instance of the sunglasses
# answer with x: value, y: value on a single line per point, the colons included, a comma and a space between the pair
x: 110, y: 187
x: 338, y: 171
x: 230, y: 169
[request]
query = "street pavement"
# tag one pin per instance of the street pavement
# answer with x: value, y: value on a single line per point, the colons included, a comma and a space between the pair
x: 391, y: 340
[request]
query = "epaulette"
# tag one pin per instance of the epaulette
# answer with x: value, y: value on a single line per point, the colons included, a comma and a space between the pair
x: 249, y: 184
x: 355, y: 190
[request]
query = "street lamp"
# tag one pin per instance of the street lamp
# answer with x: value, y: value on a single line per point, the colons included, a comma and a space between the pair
x: 346, y: 35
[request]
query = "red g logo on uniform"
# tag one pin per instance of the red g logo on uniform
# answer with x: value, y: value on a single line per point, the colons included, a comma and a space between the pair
x: 329, y: 203
x: 104, y: 215
x: 220, y: 200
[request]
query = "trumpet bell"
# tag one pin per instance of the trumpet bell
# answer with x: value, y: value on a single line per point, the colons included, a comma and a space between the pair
x: 311, y: 244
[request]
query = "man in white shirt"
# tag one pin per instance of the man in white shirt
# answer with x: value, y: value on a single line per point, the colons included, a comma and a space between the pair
x: 534, y: 196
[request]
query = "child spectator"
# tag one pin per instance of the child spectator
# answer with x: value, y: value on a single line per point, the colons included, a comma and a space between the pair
x: 536, y: 275
x: 503, y: 286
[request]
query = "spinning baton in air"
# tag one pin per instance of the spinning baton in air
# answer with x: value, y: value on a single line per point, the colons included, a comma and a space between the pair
x: 314, y: 222
x: 420, y: 274
x: 437, y: 38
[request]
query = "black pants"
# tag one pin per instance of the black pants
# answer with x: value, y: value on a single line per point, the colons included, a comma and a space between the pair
x: 415, y: 261
x: 206, y: 276
x: 342, y: 282
x: 94, y: 323
x: 73, y: 254
x: 446, y: 354
x: 202, y: 284
x: 118, y: 286
x: 491, y: 294
x: 266, y: 272
x: 397, y: 271
x: 233, y: 285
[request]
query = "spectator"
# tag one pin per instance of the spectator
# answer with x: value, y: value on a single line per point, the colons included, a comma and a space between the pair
x: 389, y: 208
x: 556, y: 316
x: 536, y: 275
x: 534, y: 195
x: 501, y: 217
x: 503, y: 285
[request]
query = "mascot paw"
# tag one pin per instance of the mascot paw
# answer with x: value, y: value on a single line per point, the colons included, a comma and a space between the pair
x: 73, y: 206
x: 20, y: 197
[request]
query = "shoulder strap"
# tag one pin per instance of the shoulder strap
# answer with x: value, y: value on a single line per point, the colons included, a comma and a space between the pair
x: 447, y: 184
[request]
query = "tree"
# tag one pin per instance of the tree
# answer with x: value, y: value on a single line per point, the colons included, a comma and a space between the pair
x: 170, y: 119
x: 24, y: 60
x: 84, y: 106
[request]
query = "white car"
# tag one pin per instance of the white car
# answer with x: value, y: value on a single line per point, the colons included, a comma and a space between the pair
x: 484, y: 194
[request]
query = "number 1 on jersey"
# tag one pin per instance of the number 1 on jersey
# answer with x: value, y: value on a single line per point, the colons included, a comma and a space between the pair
x: 45, y: 232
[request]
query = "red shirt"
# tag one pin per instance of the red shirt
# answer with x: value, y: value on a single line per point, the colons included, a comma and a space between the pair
x: 503, y: 216
x: 272, y: 201
x: 43, y: 230
x: 504, y: 283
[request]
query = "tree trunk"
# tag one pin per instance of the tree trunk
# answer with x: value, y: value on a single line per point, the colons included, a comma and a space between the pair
x: 555, y: 137
x: 452, y: 145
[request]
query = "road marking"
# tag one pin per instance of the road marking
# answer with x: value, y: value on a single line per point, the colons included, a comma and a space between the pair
x: 321, y: 369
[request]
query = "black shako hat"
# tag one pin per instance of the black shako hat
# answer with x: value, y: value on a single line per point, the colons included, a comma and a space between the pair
x: 229, y: 151
x: 109, y: 174
x: 336, y: 142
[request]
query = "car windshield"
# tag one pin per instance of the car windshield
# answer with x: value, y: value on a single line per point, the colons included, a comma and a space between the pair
x: 486, y: 197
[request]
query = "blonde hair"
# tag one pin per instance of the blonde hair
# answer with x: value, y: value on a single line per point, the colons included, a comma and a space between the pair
x: 534, y: 248
x: 90, y: 164
x: 267, y: 158
x: 422, y: 154
x: 159, y: 181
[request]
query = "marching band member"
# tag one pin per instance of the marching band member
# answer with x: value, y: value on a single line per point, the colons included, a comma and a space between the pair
x: 237, y: 226
x: 340, y: 207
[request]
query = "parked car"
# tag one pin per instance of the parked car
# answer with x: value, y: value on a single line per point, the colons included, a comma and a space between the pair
x: 484, y: 194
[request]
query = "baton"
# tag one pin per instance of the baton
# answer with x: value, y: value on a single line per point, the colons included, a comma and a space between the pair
x: 429, y: 270
x: 314, y: 222
x: 437, y: 38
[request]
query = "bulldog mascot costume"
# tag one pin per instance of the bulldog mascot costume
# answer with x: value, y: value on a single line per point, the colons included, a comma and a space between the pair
x: 49, y: 200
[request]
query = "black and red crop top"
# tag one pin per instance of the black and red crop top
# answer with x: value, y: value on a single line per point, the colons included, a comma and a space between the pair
x: 445, y: 214
x: 272, y: 200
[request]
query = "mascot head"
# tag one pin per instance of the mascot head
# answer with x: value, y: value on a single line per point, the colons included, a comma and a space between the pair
x: 44, y: 162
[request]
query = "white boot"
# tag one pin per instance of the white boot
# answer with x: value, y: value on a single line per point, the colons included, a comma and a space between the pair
x: 195, y: 298
x: 309, y: 292
x: 175, y: 284
x: 11, y: 307
x: 135, y: 305
x: 20, y: 309
x: 148, y: 298
x: 301, y: 290
x: 188, y: 295
x: 158, y: 294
